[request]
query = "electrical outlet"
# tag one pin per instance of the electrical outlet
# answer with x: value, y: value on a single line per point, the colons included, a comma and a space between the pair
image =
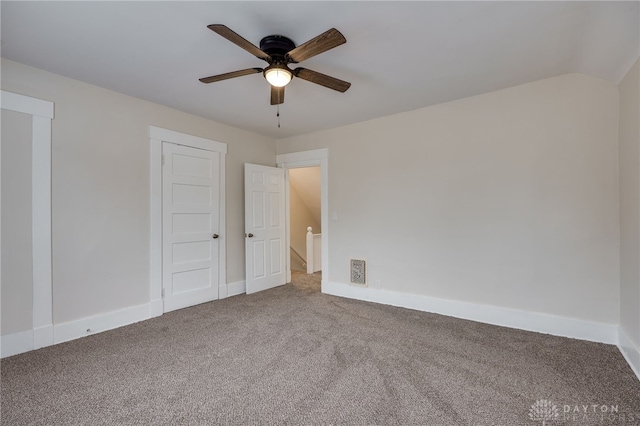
x: 377, y: 285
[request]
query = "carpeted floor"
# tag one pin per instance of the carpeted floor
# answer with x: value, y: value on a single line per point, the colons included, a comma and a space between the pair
x: 292, y: 355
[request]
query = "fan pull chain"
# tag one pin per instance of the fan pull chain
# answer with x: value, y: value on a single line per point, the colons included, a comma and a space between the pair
x: 278, y: 115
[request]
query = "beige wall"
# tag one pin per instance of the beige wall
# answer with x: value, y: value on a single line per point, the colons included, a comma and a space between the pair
x: 100, y: 188
x: 16, y: 289
x: 508, y: 198
x: 629, y: 134
x: 301, y: 216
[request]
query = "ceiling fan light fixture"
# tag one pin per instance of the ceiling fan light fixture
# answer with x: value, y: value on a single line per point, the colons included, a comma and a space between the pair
x: 279, y: 52
x: 278, y: 76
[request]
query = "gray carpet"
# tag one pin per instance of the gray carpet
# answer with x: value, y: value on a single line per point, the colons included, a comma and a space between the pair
x: 292, y: 355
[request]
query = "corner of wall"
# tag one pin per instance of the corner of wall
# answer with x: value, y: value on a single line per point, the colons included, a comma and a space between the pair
x: 629, y: 351
x: 629, y: 187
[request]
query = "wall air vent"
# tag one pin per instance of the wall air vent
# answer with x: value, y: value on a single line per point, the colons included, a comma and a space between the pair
x: 358, y: 272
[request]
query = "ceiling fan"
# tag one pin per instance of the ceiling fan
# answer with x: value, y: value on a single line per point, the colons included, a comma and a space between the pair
x: 279, y: 52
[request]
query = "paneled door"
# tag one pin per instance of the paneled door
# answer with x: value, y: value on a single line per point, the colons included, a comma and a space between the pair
x: 265, y: 239
x: 190, y: 222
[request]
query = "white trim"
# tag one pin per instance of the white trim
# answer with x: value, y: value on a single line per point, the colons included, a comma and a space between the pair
x: 156, y: 308
x: 41, y: 227
x: 316, y: 157
x: 155, y: 240
x: 157, y: 136
x: 42, y: 113
x: 512, y: 318
x: 16, y: 343
x: 26, y: 104
x: 43, y: 336
x: 98, y: 323
x: 295, y: 157
x: 287, y: 221
x: 222, y: 291
x: 629, y: 350
x: 222, y: 217
x: 187, y: 140
x: 234, y: 289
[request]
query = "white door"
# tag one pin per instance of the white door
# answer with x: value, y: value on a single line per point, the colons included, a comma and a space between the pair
x: 190, y: 228
x: 265, y: 239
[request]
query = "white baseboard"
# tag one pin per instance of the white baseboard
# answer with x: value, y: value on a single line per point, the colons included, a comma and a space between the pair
x: 13, y: 344
x: 222, y: 291
x: 629, y: 350
x: 42, y: 337
x: 98, y: 323
x: 234, y: 289
x: 156, y: 308
x: 16, y: 343
x: 513, y: 318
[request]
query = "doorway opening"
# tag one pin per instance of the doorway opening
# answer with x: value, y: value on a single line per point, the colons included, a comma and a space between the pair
x: 305, y: 221
x: 306, y: 159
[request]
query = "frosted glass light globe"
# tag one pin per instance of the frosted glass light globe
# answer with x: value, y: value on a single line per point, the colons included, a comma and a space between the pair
x: 278, y: 77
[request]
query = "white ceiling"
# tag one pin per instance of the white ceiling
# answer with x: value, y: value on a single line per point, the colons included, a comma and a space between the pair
x: 399, y: 56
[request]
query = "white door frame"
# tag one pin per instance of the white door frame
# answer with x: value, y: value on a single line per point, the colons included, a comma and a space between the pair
x: 41, y: 111
x: 158, y: 135
x: 294, y: 160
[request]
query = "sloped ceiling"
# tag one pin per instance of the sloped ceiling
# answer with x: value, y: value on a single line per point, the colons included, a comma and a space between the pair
x: 399, y: 56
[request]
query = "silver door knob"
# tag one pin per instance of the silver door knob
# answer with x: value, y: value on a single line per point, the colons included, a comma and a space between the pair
x: 215, y: 236
x: 250, y: 235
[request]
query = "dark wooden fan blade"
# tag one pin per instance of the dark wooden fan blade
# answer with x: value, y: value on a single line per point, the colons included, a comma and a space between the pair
x: 325, y: 41
x: 237, y: 39
x: 322, y: 79
x: 277, y: 95
x: 228, y: 75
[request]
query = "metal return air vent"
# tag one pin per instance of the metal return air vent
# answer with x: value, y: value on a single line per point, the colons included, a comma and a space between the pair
x: 358, y: 272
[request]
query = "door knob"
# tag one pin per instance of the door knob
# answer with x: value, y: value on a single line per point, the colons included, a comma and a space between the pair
x: 215, y: 236
x: 250, y: 235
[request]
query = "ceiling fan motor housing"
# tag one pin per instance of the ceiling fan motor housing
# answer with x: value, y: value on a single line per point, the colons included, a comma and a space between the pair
x: 277, y: 46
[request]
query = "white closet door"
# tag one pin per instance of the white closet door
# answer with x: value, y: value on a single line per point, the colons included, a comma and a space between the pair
x: 190, y: 215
